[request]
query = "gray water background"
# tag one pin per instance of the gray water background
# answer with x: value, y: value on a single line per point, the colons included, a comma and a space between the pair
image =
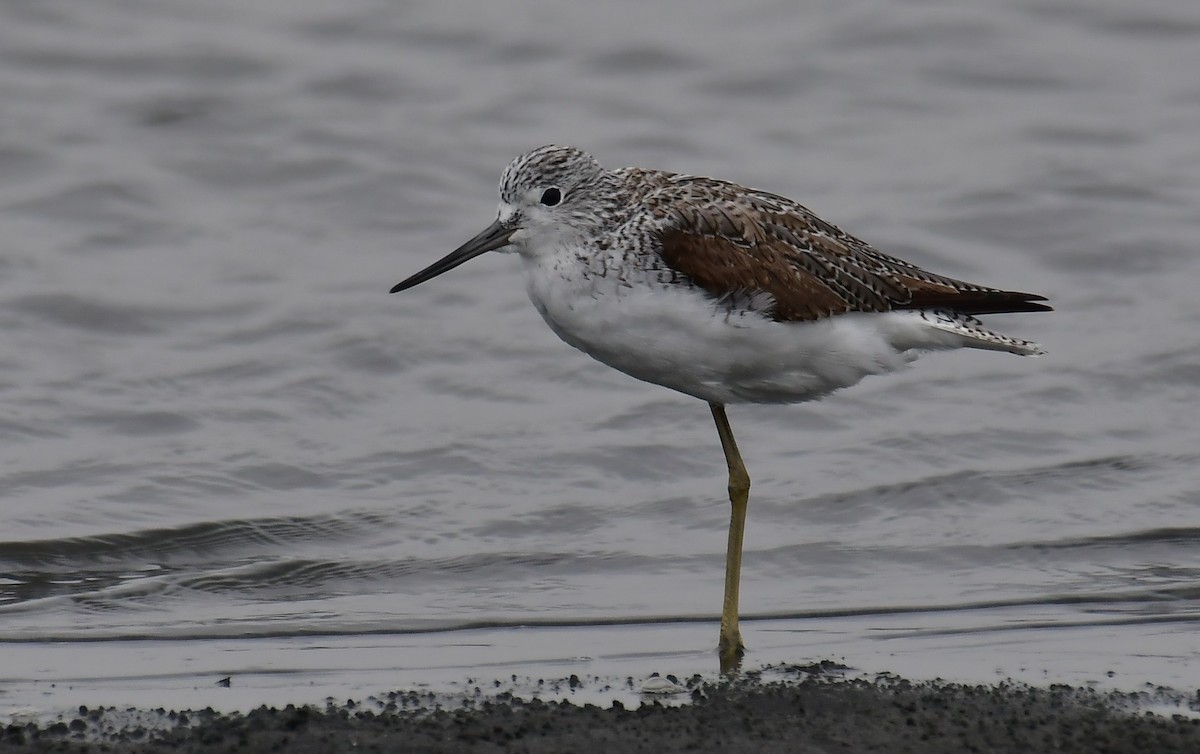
x: 216, y: 423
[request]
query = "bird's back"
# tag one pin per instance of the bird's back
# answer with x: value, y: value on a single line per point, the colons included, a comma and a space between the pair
x: 726, y: 237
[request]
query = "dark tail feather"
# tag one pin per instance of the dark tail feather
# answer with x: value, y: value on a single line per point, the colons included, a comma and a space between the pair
x: 978, y: 301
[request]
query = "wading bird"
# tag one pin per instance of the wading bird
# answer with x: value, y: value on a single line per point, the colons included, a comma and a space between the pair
x: 722, y: 292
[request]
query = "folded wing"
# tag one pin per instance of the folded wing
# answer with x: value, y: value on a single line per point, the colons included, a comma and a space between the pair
x: 746, y: 243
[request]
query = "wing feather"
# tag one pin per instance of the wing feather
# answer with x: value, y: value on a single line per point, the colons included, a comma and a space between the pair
x: 734, y: 243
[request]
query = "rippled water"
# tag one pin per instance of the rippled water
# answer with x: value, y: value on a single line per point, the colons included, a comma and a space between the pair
x: 216, y: 423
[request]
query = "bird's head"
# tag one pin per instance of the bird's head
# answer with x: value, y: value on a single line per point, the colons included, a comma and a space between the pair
x: 547, y: 195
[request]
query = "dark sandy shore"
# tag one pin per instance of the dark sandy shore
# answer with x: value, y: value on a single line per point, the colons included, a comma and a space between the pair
x: 802, y: 714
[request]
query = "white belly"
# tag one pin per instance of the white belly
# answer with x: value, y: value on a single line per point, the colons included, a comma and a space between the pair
x: 680, y: 338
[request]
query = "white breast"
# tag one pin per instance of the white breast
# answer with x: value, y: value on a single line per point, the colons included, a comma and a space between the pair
x: 679, y: 337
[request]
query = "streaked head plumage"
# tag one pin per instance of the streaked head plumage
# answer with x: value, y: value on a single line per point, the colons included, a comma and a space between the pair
x: 552, y: 192
x: 551, y: 166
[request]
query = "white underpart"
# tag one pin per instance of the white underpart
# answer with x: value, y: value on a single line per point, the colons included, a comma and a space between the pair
x: 680, y: 338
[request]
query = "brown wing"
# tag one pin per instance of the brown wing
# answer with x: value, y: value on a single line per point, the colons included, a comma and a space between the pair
x: 734, y: 245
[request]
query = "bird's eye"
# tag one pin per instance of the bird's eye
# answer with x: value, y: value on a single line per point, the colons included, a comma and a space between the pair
x: 551, y: 196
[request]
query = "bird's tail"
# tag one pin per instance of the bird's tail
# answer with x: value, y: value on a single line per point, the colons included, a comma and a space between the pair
x: 970, y: 333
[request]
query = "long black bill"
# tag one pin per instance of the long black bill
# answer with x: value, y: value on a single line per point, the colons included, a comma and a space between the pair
x: 493, y: 237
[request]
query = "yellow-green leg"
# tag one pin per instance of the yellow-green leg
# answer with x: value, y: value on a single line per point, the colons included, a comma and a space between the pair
x: 730, y: 648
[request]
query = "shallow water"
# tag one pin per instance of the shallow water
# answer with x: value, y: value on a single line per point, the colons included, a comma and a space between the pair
x: 217, y: 424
